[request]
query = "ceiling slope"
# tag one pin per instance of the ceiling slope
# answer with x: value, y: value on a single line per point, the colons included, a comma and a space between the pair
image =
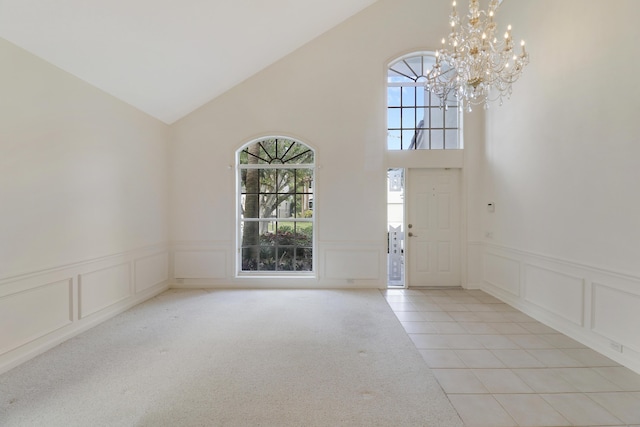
x: 167, y: 57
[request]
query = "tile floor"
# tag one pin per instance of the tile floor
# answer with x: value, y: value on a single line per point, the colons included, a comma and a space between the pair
x: 500, y: 367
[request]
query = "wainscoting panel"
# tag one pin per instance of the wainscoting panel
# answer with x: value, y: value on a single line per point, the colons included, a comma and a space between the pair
x: 100, y: 289
x: 556, y: 292
x: 203, y: 264
x: 41, y: 309
x: 596, y: 307
x: 616, y: 315
x: 150, y: 271
x: 502, y: 272
x: 352, y: 264
x: 34, y: 313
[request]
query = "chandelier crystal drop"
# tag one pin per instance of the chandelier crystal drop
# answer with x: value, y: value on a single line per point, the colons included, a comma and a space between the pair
x: 475, y: 65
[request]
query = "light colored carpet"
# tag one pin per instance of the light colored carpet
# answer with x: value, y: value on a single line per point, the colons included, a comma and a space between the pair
x: 234, y: 358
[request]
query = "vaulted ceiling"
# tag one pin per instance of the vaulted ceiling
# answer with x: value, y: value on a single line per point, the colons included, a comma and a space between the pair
x: 167, y: 57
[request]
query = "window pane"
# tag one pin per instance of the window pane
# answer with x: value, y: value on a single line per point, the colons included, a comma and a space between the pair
x: 408, y: 96
x: 393, y: 118
x: 393, y: 140
x: 407, y: 138
x: 451, y: 139
x: 393, y: 96
x: 437, y: 139
x: 451, y: 117
x: 415, y: 65
x: 437, y: 117
x: 420, y: 98
x: 304, y: 259
x: 422, y: 115
x: 408, y: 118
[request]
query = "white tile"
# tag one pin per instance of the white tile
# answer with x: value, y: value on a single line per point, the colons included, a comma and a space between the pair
x: 580, y: 410
x: 488, y: 299
x: 448, y: 328
x: 479, y: 307
x: 464, y: 316
x: 463, y: 342
x: 623, y: 377
x: 443, y: 300
x: 545, y: 381
x: 478, y: 328
x: 442, y: 359
x: 436, y: 316
x: 555, y: 358
x: 479, y: 359
x: 429, y: 341
x: 517, y: 359
x: 530, y: 341
x: 538, y: 328
x: 419, y: 327
x: 586, y: 380
x: 531, y: 410
x: 589, y: 357
x: 426, y: 306
x: 491, y: 342
x: 458, y: 381
x: 501, y: 381
x: 509, y: 328
x: 409, y: 316
x: 625, y: 406
x: 466, y: 300
x: 491, y: 316
x: 561, y: 341
x: 452, y: 307
x: 401, y: 306
x: 480, y: 410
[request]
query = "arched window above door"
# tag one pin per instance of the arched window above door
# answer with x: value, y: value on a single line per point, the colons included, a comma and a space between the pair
x: 415, y: 117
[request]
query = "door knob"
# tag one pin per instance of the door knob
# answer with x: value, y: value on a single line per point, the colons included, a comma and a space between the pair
x: 412, y: 235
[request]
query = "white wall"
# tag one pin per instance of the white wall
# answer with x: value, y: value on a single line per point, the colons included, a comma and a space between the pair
x: 83, y: 205
x: 331, y: 95
x: 562, y: 165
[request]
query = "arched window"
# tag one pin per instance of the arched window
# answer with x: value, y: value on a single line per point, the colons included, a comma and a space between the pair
x: 415, y: 117
x: 276, y: 204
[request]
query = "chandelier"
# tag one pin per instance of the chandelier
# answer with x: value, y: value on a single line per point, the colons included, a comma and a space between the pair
x: 474, y: 65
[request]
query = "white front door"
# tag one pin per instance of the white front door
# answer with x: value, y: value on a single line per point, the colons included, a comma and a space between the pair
x: 433, y: 227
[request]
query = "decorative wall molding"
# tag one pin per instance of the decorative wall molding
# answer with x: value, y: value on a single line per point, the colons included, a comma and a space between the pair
x: 608, y: 323
x: 200, y: 264
x: 351, y: 264
x: 567, y: 290
x: 597, y: 307
x: 211, y: 264
x: 502, y: 272
x: 39, y: 310
x: 102, y: 288
x: 35, y: 312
